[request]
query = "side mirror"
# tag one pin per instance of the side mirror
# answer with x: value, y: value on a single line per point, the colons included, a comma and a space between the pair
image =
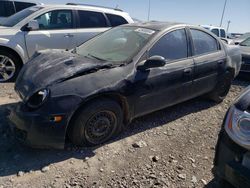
x: 33, y: 25
x: 152, y: 62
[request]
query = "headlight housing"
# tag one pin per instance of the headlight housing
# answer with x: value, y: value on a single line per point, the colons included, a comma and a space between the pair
x: 37, y: 99
x: 238, y: 127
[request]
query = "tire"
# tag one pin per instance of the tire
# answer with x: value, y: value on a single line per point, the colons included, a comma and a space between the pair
x: 10, y: 66
x: 222, y: 87
x: 96, y: 123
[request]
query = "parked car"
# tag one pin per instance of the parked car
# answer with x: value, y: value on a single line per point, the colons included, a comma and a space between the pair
x: 9, y: 7
x: 245, y: 51
x: 232, y: 158
x: 218, y: 31
x: 127, y: 72
x: 51, y: 27
x: 242, y: 38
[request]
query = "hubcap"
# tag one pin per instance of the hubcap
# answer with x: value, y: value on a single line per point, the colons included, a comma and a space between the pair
x: 100, y: 127
x: 7, y: 68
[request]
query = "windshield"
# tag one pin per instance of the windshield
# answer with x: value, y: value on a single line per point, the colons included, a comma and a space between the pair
x: 16, y: 18
x: 118, y: 45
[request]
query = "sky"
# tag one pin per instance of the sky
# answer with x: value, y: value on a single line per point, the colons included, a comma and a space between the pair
x: 200, y: 12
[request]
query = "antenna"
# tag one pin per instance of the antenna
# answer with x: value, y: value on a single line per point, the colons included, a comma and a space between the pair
x: 223, y: 12
x: 149, y: 9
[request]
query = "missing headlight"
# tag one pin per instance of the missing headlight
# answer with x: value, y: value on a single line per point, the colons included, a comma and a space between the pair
x: 38, y: 98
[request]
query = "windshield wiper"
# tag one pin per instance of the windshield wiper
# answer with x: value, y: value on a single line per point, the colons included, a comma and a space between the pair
x: 98, y: 58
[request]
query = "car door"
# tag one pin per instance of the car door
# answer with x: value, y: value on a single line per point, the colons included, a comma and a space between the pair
x: 90, y: 24
x: 168, y: 85
x: 210, y: 61
x: 56, y: 31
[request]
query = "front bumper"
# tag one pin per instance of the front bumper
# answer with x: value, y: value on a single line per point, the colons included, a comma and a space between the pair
x: 37, y: 130
x: 228, y: 162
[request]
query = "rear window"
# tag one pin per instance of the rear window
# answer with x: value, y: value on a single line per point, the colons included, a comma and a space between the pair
x: 116, y: 20
x: 6, y: 8
x: 89, y: 19
x: 22, y: 5
x: 203, y: 42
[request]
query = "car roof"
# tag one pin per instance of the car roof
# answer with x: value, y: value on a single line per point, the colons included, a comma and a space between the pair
x: 159, y: 26
x: 87, y: 7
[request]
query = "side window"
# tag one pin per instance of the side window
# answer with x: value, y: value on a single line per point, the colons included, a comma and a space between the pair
x: 222, y: 33
x: 116, y: 20
x: 216, y: 32
x: 58, y: 19
x: 203, y: 42
x: 6, y: 8
x: 172, y: 46
x: 22, y: 5
x: 89, y: 19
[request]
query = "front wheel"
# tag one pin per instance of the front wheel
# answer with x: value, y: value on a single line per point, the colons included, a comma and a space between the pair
x: 10, y: 66
x: 222, y: 88
x: 96, y: 123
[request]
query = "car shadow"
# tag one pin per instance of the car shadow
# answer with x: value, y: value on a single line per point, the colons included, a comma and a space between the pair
x: 213, y: 184
x: 15, y: 157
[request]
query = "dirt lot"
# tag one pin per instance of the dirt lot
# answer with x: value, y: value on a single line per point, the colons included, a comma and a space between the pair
x: 170, y: 148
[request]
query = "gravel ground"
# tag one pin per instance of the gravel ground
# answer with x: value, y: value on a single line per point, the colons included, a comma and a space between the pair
x: 169, y: 148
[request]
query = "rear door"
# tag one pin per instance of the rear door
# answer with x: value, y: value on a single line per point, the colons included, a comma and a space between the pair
x: 56, y: 31
x: 210, y: 61
x: 89, y: 24
x: 168, y: 85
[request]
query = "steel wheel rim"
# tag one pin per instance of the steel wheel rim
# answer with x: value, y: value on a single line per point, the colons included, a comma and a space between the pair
x: 7, y: 68
x: 100, y: 127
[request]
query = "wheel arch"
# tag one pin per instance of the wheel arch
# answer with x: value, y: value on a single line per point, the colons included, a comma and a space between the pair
x: 12, y: 51
x: 120, y: 99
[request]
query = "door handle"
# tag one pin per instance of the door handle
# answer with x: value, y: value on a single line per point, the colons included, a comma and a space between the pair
x: 68, y: 35
x: 187, y: 71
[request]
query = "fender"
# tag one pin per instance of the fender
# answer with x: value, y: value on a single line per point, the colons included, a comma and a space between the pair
x: 20, y: 50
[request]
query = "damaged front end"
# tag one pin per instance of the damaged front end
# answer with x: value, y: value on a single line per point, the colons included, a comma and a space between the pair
x: 41, y: 119
x: 232, y: 159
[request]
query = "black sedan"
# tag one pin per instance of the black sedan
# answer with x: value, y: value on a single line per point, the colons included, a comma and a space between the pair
x: 232, y: 159
x: 245, y: 51
x: 88, y: 95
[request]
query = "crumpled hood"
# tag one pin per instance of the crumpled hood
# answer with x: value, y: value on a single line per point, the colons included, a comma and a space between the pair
x: 48, y: 68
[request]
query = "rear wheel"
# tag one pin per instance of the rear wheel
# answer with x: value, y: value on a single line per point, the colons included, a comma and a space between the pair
x: 10, y: 66
x: 222, y: 88
x: 96, y: 123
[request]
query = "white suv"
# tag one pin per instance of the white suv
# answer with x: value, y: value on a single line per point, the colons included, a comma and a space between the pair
x: 51, y: 27
x: 218, y: 31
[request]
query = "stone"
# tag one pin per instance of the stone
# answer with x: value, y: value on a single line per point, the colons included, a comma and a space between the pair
x: 20, y: 173
x: 45, y: 169
x: 182, y: 176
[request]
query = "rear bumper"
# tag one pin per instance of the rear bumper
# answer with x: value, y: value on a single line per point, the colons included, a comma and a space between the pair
x: 37, y: 130
x: 228, y: 162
